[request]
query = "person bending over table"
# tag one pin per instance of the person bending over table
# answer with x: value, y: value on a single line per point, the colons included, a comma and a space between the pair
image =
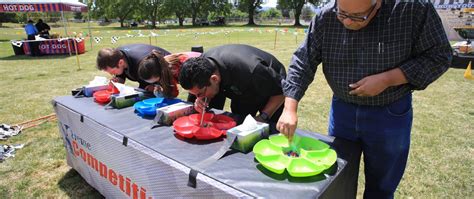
x: 248, y: 76
x: 163, y: 71
x: 122, y: 62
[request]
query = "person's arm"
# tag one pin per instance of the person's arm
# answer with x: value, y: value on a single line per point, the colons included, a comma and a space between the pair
x: 301, y: 73
x: 289, y: 118
x: 375, y: 84
x: 432, y: 53
x: 272, y: 105
x: 432, y: 56
x: 267, y: 81
x: 201, y: 104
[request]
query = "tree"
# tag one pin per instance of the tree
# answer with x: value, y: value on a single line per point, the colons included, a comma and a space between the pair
x: 271, y: 13
x: 296, y: 6
x: 250, y: 7
x: 219, y: 8
x: 78, y: 15
x: 202, y: 8
x: 198, y: 9
x: 181, y: 8
x: 236, y: 13
x: 306, y: 13
x: 153, y: 10
x: 98, y: 9
x: 110, y: 9
x: 7, y: 17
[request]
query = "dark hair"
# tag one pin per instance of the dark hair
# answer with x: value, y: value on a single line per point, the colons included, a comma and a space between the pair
x: 30, y: 21
x: 154, y: 65
x: 173, y: 59
x: 108, y: 57
x: 196, y: 71
x: 40, y: 21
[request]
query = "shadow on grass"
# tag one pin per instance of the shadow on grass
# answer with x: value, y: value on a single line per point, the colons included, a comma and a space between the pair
x: 27, y: 57
x: 76, y: 187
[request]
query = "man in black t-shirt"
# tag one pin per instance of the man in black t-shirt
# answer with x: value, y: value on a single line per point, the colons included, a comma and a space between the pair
x: 43, y: 29
x: 123, y: 61
x: 250, y: 77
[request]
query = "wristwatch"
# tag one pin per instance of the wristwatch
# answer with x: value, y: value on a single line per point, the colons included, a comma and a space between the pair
x: 264, y: 116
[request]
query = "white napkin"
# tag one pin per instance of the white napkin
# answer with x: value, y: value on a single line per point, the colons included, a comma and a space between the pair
x: 249, y: 124
x: 98, y: 81
x: 123, y: 89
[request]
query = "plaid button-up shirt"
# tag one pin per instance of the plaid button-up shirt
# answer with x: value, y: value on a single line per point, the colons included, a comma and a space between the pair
x: 408, y: 35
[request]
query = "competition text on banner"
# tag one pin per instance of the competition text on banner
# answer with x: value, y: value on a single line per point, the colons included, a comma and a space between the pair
x: 78, y: 147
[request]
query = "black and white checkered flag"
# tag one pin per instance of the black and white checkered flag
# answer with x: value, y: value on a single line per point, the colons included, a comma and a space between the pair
x: 114, y: 39
x: 17, y: 43
x: 97, y: 39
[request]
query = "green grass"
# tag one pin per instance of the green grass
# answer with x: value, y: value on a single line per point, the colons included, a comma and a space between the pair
x: 441, y: 158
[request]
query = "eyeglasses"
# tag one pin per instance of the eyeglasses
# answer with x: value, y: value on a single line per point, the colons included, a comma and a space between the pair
x: 343, y: 16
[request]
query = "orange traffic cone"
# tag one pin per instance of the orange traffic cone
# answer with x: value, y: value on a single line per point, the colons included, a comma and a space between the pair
x: 468, y: 72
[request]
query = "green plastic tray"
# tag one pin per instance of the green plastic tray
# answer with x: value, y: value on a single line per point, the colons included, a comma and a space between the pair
x: 314, y: 156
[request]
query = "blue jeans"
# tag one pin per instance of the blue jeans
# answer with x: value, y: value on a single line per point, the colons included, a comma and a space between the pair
x: 383, y: 133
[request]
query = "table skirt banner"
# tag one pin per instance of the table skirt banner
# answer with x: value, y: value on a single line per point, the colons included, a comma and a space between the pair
x: 118, y: 171
x: 53, y: 46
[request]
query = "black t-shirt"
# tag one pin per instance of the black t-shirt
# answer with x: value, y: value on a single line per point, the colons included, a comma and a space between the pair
x: 248, y: 74
x: 134, y: 53
x: 42, y: 26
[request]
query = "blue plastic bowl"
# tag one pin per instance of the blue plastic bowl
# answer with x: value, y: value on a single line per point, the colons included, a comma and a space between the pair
x: 148, y: 107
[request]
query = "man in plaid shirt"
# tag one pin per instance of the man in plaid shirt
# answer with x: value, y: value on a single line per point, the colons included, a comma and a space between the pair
x: 374, y: 53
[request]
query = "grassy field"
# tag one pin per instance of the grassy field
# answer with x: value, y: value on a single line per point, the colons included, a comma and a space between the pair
x: 441, y: 158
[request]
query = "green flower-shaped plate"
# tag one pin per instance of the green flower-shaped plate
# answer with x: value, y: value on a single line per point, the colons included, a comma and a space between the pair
x: 313, y: 156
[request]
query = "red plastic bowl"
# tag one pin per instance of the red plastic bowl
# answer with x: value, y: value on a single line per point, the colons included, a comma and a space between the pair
x: 196, y: 118
x: 102, y: 97
x: 223, y: 122
x: 208, y: 133
x: 185, y: 127
x: 214, y: 126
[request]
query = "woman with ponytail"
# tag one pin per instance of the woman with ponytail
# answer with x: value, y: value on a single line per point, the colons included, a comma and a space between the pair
x: 163, y: 71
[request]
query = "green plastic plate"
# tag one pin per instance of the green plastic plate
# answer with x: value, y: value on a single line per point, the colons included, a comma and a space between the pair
x: 313, y: 156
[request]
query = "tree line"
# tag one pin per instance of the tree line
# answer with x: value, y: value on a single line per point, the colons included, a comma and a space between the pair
x: 154, y: 11
x: 157, y: 10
